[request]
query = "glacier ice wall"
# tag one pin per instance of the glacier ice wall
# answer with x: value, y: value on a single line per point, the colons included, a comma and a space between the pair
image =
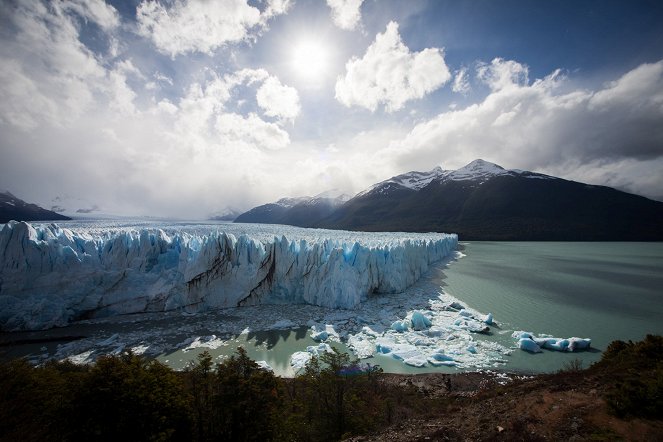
x: 50, y: 275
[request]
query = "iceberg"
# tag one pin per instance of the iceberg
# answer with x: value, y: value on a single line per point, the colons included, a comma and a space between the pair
x: 51, y: 276
x: 419, y: 321
x: 528, y: 342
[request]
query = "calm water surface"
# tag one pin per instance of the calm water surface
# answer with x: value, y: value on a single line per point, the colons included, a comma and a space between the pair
x: 604, y: 291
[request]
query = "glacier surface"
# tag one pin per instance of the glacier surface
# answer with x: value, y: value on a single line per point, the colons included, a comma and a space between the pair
x: 50, y: 276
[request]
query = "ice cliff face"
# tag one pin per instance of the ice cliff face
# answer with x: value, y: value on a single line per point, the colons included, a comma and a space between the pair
x: 50, y: 275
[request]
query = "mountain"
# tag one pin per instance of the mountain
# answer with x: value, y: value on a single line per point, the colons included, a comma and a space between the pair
x: 13, y: 208
x: 301, y: 211
x: 227, y: 214
x: 484, y: 201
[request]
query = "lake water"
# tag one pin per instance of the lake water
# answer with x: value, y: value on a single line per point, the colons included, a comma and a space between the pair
x: 602, y: 291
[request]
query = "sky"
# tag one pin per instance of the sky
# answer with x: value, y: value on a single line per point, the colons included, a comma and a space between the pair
x: 184, y: 108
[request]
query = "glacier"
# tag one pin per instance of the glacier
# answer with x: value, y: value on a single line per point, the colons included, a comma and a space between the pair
x: 50, y: 276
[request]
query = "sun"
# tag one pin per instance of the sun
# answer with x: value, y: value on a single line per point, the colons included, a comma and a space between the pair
x: 310, y: 59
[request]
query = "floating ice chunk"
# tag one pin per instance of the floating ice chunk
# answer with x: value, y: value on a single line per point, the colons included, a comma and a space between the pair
x: 472, y: 349
x: 579, y: 344
x: 529, y: 345
x: 440, y: 356
x: 419, y: 321
x: 299, y: 359
x: 417, y: 361
x: 522, y: 335
x: 317, y: 350
x: 82, y: 358
x: 369, y: 331
x: 455, y: 306
x: 406, y: 351
x: 139, y: 349
x: 488, y: 319
x: 362, y: 347
x: 465, y: 313
x: 556, y: 344
x: 437, y: 363
x: 436, y: 332
x: 320, y: 336
x: 400, y: 326
x: 264, y: 366
x: 471, y: 325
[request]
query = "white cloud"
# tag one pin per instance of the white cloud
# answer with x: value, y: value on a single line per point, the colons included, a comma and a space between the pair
x: 50, y: 76
x: 346, y: 14
x: 461, y: 82
x: 278, y: 100
x: 537, y: 127
x: 251, y: 130
x: 502, y: 73
x: 202, y: 26
x: 390, y: 74
x: 96, y: 11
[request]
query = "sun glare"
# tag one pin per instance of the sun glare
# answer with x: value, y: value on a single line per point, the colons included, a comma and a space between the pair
x: 309, y: 59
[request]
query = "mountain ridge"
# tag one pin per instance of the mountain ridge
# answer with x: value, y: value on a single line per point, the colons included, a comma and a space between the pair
x: 14, y: 208
x: 484, y: 201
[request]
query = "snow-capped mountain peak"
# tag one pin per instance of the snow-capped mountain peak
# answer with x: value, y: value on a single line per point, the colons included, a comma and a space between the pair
x: 411, y: 180
x: 477, y: 169
x: 288, y: 202
x: 477, y: 172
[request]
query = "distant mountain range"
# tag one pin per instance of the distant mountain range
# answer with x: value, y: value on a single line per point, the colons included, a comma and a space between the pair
x: 301, y: 211
x: 13, y: 208
x: 482, y: 201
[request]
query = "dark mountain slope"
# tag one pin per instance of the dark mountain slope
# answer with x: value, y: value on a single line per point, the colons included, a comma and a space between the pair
x: 13, y: 208
x: 506, y: 205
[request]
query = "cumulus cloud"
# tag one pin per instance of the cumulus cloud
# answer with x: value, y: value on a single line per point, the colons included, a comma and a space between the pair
x: 278, y: 100
x: 202, y: 26
x: 251, y: 130
x: 389, y: 74
x: 502, y: 73
x: 536, y: 126
x: 346, y: 14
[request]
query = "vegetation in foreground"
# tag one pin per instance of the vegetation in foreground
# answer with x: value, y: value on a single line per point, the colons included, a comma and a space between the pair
x: 128, y: 397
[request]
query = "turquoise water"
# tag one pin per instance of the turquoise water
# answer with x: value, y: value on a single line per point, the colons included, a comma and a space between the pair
x: 603, y: 291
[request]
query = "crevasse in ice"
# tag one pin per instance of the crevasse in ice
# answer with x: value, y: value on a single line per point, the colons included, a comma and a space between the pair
x: 50, y: 275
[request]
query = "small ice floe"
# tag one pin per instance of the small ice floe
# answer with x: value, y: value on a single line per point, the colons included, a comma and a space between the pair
x: 528, y: 342
x: 264, y: 366
x: 455, y: 306
x: 319, y: 335
x: 211, y: 342
x: 419, y: 321
x: 471, y: 325
x: 81, y: 358
x: 439, y: 358
x: 299, y: 359
x: 400, y: 326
